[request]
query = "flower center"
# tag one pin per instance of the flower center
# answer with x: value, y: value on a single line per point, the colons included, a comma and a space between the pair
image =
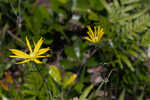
x: 32, y: 55
x: 95, y: 39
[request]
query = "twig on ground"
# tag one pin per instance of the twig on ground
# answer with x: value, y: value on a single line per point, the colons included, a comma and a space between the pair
x: 15, y: 37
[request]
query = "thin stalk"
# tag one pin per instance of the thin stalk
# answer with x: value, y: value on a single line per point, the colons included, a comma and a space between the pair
x: 62, y: 94
x: 45, y: 81
x: 19, y: 17
x: 135, y: 83
x: 101, y: 84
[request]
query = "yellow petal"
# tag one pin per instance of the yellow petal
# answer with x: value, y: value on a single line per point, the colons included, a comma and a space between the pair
x: 87, y: 38
x: 13, y: 56
x: 48, y: 55
x: 98, y: 32
x: 28, y: 44
x: 90, y: 33
x: 95, y: 32
x: 70, y: 80
x: 19, y: 53
x: 43, y: 50
x: 37, y: 46
x: 101, y: 33
x: 37, y: 61
x: 25, y: 61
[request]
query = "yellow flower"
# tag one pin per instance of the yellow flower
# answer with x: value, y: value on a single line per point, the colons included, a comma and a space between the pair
x: 33, y: 55
x: 70, y: 80
x: 95, y: 36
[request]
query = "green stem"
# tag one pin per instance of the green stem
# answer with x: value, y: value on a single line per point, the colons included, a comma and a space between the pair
x: 45, y: 81
x: 101, y: 84
x: 62, y: 94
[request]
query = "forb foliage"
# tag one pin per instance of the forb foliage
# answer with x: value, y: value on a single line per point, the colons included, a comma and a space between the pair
x: 63, y: 25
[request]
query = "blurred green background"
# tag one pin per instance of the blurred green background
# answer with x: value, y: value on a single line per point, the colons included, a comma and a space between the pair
x: 117, y: 68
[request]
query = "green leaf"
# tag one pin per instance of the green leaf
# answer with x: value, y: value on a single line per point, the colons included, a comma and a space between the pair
x: 91, y: 62
x: 116, y: 3
x: 141, y: 96
x: 93, y: 16
x: 67, y: 63
x: 44, y: 12
x: 141, y: 52
x: 30, y: 92
x: 79, y: 87
x: 53, y: 86
x: 127, y: 61
x: 120, y: 63
x: 86, y: 92
x: 82, y: 5
x: 108, y: 8
x: 55, y: 74
x: 31, y: 98
x: 133, y: 53
x: 56, y: 6
x: 96, y: 5
x: 70, y: 52
x: 122, y: 95
x: 63, y: 1
x: 70, y: 80
x: 129, y: 1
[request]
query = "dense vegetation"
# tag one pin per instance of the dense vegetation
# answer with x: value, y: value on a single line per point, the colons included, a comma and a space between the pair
x: 115, y: 68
